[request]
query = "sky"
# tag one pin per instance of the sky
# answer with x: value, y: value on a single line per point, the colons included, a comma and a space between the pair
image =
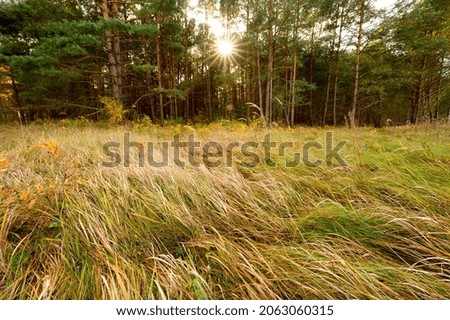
x: 218, y: 29
x: 378, y: 3
x: 384, y: 3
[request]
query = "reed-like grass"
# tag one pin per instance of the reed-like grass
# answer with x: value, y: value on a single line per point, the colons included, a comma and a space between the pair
x: 376, y: 229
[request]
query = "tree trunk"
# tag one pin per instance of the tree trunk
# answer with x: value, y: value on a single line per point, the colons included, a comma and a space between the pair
x: 291, y: 116
x: 312, y: 59
x: 160, y: 84
x: 439, y: 92
x: 269, y: 86
x: 332, y: 62
x: 335, y: 91
x: 328, y: 87
x: 429, y: 103
x: 337, y: 60
x: 114, y: 53
x: 21, y: 112
x: 293, y: 89
x: 417, y: 101
x: 260, y: 90
x: 352, y: 113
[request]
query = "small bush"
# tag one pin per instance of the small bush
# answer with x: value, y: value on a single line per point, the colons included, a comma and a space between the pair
x: 114, y: 110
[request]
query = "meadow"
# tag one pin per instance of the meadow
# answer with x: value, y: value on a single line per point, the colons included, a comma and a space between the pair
x: 378, y: 228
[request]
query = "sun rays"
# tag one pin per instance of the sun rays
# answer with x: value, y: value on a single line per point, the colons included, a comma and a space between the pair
x: 226, y: 51
x: 225, y: 47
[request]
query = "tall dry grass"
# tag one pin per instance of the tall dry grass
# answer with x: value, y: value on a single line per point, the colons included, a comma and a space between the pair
x: 72, y: 229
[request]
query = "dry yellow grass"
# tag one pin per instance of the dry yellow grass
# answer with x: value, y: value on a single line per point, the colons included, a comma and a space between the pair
x: 72, y: 229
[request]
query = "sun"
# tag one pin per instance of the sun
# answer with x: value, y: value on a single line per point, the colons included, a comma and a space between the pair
x: 225, y: 47
x: 226, y: 51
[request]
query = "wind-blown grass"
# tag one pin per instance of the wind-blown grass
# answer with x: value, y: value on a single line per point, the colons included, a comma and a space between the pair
x: 72, y: 229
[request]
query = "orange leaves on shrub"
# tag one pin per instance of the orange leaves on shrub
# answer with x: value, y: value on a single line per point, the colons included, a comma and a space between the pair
x: 31, y: 204
x: 5, y: 192
x: 4, y: 164
x: 57, y: 177
x: 24, y: 196
x: 12, y: 194
x: 50, y: 148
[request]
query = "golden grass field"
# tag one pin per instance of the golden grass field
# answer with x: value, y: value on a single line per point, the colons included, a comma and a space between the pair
x: 73, y: 229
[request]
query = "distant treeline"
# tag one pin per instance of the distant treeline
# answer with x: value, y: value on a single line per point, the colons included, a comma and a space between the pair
x: 309, y: 62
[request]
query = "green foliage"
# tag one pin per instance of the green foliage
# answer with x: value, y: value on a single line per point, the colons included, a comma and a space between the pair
x: 145, y: 29
x: 114, y: 109
x: 115, y: 25
x: 143, y: 122
x: 80, y: 122
x: 143, y: 68
x: 177, y: 94
x: 64, y: 53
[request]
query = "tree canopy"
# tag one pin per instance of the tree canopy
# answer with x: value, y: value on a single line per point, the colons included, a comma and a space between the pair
x: 313, y: 62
